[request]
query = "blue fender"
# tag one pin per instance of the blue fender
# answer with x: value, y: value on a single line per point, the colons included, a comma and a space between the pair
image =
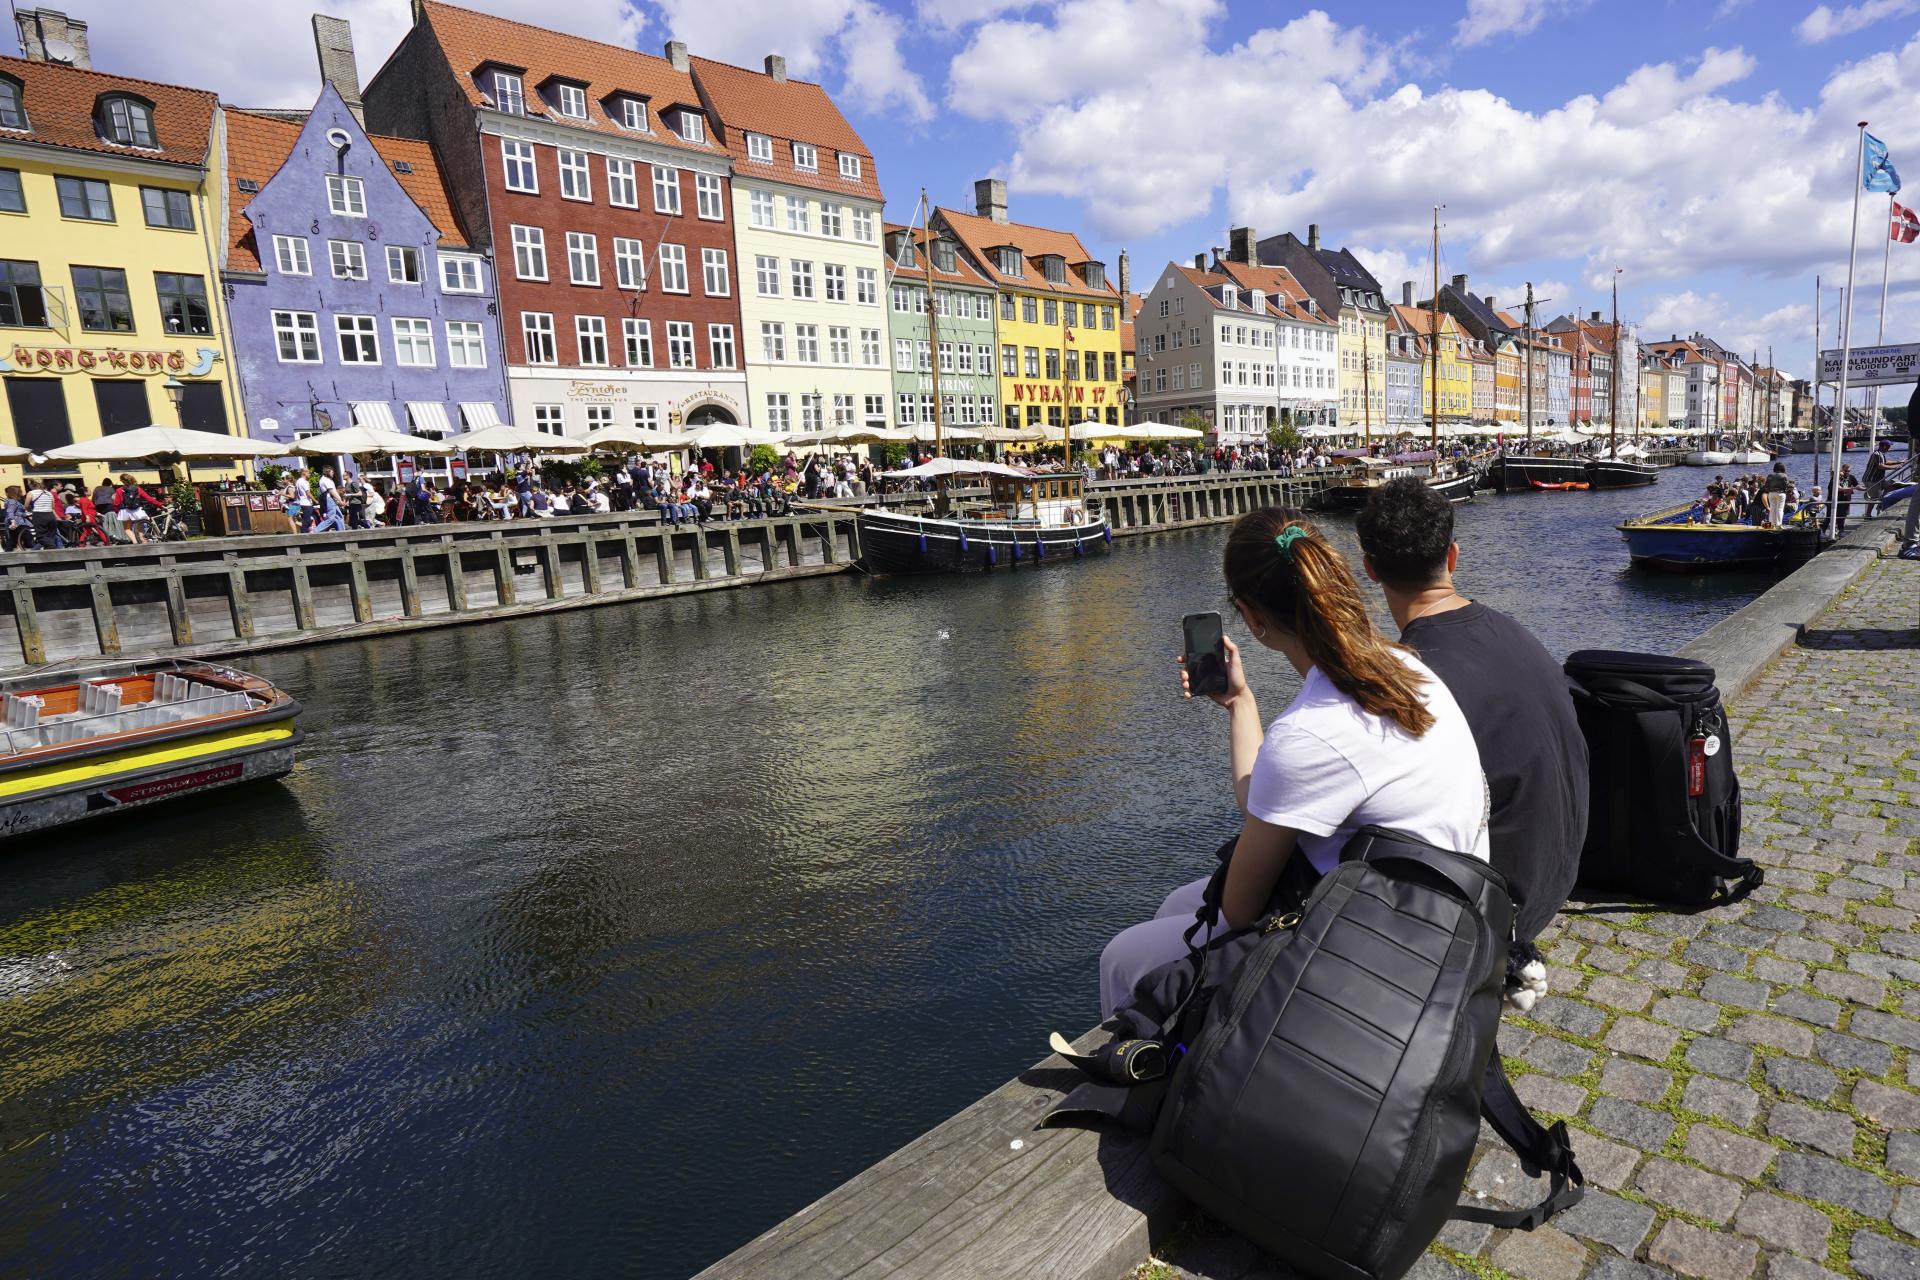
x: 1078, y: 550
x: 963, y: 539
x: 1106, y: 532
x: 993, y: 556
x: 923, y: 544
x: 1039, y: 546
x: 1016, y: 548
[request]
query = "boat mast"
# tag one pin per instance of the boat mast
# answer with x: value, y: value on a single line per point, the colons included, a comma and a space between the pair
x: 1817, y: 379
x: 1613, y: 410
x: 933, y: 323
x: 1527, y: 355
x: 1433, y: 339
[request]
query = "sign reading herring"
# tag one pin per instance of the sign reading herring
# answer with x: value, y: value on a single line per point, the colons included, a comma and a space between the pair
x: 1873, y: 366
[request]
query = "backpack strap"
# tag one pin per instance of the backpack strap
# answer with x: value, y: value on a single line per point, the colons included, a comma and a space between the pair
x: 1541, y: 1150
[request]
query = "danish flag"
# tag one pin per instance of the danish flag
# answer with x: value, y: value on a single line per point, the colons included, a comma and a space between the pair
x: 1905, y: 226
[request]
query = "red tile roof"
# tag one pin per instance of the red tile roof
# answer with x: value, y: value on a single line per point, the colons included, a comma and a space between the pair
x: 1285, y: 294
x: 258, y: 144
x: 60, y: 99
x: 963, y: 272
x: 981, y: 236
x: 472, y: 40
x: 787, y: 111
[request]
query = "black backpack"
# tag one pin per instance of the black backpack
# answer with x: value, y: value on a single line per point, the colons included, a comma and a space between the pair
x: 1663, y: 818
x: 1328, y: 1094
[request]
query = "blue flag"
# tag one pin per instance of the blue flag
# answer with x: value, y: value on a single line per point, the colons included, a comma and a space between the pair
x: 1878, y: 172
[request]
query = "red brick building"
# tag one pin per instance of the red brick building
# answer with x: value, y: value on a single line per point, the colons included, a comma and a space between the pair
x: 594, y: 174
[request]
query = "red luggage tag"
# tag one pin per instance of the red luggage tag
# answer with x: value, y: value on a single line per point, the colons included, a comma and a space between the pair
x: 1696, y: 765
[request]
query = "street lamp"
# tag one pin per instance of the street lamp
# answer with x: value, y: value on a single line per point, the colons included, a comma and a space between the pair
x: 177, y: 392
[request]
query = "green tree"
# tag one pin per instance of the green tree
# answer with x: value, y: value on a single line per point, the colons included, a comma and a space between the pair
x: 1283, y: 436
x: 1194, y: 420
x: 764, y: 457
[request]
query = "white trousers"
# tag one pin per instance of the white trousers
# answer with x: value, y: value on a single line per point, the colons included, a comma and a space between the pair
x: 1137, y: 951
x: 1777, y: 509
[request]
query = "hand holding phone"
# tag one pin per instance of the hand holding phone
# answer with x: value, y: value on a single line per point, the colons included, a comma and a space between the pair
x: 1205, y: 658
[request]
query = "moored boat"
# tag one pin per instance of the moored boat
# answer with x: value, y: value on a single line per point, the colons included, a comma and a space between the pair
x: 1457, y: 488
x: 1620, y: 473
x: 1029, y: 519
x: 118, y: 736
x: 1516, y: 474
x: 1679, y: 540
x: 1710, y: 458
x: 1352, y: 494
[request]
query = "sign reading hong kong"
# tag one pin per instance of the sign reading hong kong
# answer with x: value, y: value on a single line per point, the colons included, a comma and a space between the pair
x: 1052, y: 393
x: 108, y: 360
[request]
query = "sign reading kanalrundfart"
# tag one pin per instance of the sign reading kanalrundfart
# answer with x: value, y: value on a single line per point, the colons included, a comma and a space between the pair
x: 1873, y: 366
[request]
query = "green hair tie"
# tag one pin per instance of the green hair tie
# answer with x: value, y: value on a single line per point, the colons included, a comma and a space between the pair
x: 1287, y: 537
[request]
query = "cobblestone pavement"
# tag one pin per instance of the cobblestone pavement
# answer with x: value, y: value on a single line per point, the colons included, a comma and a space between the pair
x: 1741, y: 1082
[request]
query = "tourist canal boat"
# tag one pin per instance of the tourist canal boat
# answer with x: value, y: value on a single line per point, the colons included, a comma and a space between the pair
x: 1526, y: 473
x: 1028, y: 519
x: 1352, y: 494
x: 1680, y: 540
x: 119, y: 736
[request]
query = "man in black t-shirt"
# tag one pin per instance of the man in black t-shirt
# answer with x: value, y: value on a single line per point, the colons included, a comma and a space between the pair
x: 1513, y: 693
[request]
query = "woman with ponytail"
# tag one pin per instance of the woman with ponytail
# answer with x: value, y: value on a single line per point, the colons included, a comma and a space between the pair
x: 1372, y: 738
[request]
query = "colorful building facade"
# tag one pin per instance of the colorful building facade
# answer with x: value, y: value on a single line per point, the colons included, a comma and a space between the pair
x: 931, y: 275
x: 356, y: 299
x: 1348, y: 293
x: 110, y: 240
x: 595, y: 176
x: 1058, y: 316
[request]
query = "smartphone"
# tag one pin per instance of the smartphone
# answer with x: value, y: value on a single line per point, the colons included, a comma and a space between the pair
x: 1206, y: 653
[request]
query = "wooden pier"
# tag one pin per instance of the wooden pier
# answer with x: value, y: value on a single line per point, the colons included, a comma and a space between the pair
x: 223, y: 596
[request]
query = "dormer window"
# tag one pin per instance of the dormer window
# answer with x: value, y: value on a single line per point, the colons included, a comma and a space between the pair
x: 632, y: 114
x: 849, y: 167
x: 13, y: 107
x: 693, y: 126
x: 943, y: 255
x: 907, y: 256
x: 570, y: 100
x: 1056, y: 268
x: 1096, y: 274
x: 127, y: 121
x: 760, y: 148
x: 1009, y: 261
x: 346, y: 197
x: 507, y: 94
x: 806, y: 158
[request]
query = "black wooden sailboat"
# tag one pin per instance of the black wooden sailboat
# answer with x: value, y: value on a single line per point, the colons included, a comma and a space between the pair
x: 1028, y: 520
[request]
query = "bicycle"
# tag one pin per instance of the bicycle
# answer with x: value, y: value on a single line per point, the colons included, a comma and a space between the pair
x: 165, y: 525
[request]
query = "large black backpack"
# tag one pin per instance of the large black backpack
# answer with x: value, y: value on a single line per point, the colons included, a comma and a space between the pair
x: 1663, y: 819
x: 1330, y: 1101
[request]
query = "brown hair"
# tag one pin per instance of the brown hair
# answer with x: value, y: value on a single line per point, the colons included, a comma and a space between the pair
x: 1308, y: 589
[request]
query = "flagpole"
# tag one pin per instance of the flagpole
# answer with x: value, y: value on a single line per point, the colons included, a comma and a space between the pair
x: 1819, y: 300
x: 1880, y: 338
x: 1846, y: 338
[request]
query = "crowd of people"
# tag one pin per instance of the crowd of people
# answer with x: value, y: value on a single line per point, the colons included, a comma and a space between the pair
x: 53, y: 514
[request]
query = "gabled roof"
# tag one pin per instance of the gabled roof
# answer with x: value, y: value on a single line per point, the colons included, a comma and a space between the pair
x: 60, y: 99
x: 1420, y: 320
x: 980, y: 236
x: 1285, y: 294
x: 787, y: 111
x: 258, y: 145
x: 963, y: 272
x: 1477, y: 307
x: 473, y: 40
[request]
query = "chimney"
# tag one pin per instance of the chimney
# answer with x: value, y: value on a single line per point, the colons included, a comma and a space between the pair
x: 677, y: 54
x: 1596, y: 318
x: 1406, y: 293
x: 1126, y: 274
x: 1199, y: 262
x: 777, y: 67
x: 990, y: 198
x: 333, y: 45
x: 1240, y: 245
x: 1491, y: 306
x: 1313, y: 235
x: 48, y: 35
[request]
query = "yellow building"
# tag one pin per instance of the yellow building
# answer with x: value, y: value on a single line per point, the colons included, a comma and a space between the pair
x: 1508, y: 380
x: 110, y: 236
x: 1455, y: 384
x: 1058, y: 320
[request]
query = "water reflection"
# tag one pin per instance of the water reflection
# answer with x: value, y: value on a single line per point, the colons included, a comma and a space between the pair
x: 599, y: 941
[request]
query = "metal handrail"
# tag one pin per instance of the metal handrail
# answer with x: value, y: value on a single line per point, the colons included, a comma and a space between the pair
x: 70, y: 721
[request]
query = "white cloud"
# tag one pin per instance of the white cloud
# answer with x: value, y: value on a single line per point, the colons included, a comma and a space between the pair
x: 1827, y: 23
x: 263, y: 54
x: 1489, y: 18
x: 858, y: 38
x: 953, y: 15
x: 1012, y: 66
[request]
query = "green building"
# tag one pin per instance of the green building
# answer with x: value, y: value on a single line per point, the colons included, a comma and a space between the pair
x: 961, y: 301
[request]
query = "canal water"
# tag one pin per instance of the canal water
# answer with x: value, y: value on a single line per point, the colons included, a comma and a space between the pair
x: 596, y: 943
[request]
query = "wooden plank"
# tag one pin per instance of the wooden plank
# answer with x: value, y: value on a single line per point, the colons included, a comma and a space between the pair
x: 549, y: 553
x: 302, y: 597
x: 179, y: 620
x: 104, y: 626
x: 357, y: 586
x: 700, y: 570
x: 26, y: 620
x: 502, y: 572
x: 590, y: 564
x: 409, y: 584
x: 984, y: 1195
x: 731, y: 550
x: 456, y: 577
x: 829, y: 544
x: 238, y: 602
x: 663, y: 554
x: 629, y: 560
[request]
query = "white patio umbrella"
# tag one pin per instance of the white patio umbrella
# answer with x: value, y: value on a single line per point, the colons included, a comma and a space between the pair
x: 163, y: 444
x: 728, y: 435
x: 935, y: 467
x: 1012, y: 435
x: 14, y: 453
x: 505, y: 437
x: 923, y: 433
x: 355, y: 441
x: 633, y: 440
x: 1151, y: 431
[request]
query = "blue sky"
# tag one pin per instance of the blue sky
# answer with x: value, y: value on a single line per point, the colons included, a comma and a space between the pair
x: 1704, y: 147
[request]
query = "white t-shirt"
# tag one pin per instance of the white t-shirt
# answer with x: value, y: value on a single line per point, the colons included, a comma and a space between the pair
x: 1328, y: 768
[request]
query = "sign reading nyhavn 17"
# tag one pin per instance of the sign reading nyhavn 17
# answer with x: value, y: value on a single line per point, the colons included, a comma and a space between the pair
x: 1873, y: 366
x: 1052, y: 393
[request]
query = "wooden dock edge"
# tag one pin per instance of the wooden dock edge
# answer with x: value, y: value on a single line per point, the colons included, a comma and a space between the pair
x: 982, y: 1196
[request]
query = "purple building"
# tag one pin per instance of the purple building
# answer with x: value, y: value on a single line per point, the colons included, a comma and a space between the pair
x: 355, y: 297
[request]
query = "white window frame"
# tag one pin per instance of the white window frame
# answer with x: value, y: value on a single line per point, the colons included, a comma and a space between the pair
x: 722, y: 352
x: 517, y: 158
x: 509, y: 95
x: 538, y: 325
x: 361, y: 330
x: 866, y: 286
x: 709, y: 197
x: 454, y: 270
x: 666, y: 189
x: 850, y: 167
x: 401, y: 255
x: 713, y: 267
x: 806, y: 157
x: 673, y: 269
x: 801, y: 272
x: 636, y: 339
x: 576, y: 174
x: 766, y: 275
x: 550, y: 419
x: 833, y: 282
x: 760, y: 211
x: 286, y: 249
x: 863, y: 225
x: 629, y: 263
x: 466, y: 338
x: 806, y: 344
x: 346, y: 196
x: 590, y: 329
x: 583, y: 251
x: 693, y: 126
x: 799, y: 214
x: 622, y: 190
x: 347, y: 259
x: 759, y: 148
x: 680, y: 339
x: 779, y: 415
x: 409, y: 332
x: 304, y: 328
x: 773, y: 341
x: 870, y: 348
x: 633, y: 115
x: 832, y: 219
x: 532, y: 242
x: 573, y: 101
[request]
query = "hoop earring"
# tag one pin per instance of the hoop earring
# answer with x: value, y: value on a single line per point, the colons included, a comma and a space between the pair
x: 1261, y: 634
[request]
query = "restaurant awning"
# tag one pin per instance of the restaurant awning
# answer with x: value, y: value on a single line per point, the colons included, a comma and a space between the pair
x: 429, y: 418
x: 377, y: 414
x: 476, y: 414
